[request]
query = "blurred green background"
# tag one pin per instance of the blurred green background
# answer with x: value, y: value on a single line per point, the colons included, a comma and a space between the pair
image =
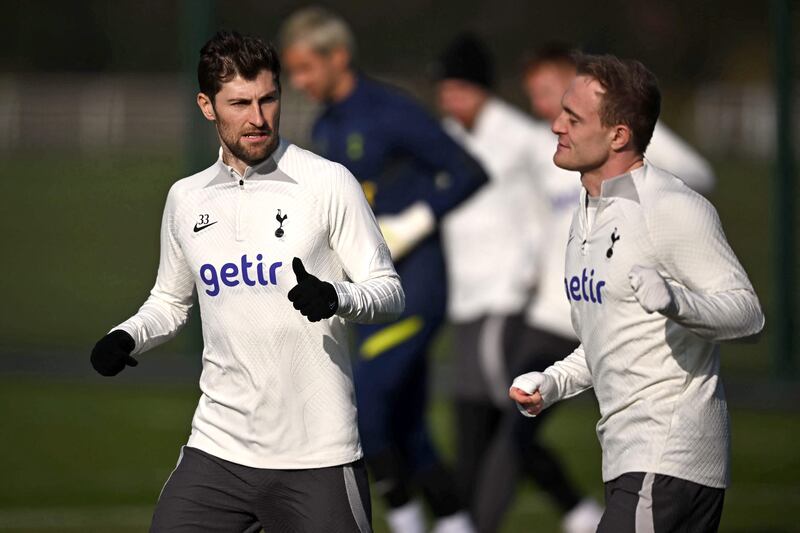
x: 94, y: 128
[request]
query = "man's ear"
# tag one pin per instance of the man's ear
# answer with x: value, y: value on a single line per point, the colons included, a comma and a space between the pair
x: 206, y: 107
x: 621, y: 137
x: 340, y: 58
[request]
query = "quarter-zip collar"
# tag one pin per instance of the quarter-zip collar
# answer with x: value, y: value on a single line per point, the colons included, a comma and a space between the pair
x: 266, y: 170
x: 622, y: 186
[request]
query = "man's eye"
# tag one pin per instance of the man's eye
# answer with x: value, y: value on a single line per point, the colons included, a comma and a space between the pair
x: 573, y: 121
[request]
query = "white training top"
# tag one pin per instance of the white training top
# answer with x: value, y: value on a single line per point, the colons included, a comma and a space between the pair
x: 491, y: 239
x: 657, y: 381
x: 549, y: 310
x: 277, y: 390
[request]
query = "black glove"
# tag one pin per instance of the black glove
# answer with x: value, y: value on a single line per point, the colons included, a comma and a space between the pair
x: 113, y: 352
x: 314, y: 299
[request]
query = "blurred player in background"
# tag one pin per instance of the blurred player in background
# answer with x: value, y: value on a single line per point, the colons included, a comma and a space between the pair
x: 274, y: 439
x: 493, y: 244
x: 412, y: 174
x: 546, y: 77
x: 653, y: 287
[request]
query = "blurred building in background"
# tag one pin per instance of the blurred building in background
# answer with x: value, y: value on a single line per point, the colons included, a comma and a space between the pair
x: 93, y: 112
x: 88, y: 112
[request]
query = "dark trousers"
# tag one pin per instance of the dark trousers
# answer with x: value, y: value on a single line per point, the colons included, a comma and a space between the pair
x: 497, y: 446
x: 208, y: 494
x: 642, y: 502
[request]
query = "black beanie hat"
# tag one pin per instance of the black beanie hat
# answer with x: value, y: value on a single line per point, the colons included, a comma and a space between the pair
x: 466, y: 58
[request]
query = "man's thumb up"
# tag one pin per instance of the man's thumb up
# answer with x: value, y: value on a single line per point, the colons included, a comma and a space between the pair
x: 314, y: 299
x: 299, y: 270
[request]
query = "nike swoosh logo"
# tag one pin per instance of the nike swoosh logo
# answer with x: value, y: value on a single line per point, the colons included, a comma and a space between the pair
x: 198, y: 228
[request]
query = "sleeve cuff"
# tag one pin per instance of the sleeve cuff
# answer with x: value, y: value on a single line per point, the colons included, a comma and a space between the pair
x: 549, y: 389
x: 344, y: 297
x: 130, y: 331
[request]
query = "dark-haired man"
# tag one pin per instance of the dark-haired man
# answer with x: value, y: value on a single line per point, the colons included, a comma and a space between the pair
x: 653, y: 287
x: 274, y: 439
x: 413, y: 174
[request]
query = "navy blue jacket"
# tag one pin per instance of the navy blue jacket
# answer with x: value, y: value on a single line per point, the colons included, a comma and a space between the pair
x: 401, y: 155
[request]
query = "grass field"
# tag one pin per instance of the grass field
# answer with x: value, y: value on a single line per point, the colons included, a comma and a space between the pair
x: 81, y: 239
x: 91, y: 456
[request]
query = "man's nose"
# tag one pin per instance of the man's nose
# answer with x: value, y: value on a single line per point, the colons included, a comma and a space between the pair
x: 257, y: 116
x: 557, y: 126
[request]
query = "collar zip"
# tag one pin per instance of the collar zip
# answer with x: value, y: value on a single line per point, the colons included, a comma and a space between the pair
x: 238, y: 177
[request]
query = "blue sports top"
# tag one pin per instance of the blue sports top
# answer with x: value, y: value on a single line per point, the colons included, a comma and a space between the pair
x: 398, y: 152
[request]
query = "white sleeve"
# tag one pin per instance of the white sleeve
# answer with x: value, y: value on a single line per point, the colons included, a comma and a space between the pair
x: 676, y: 156
x: 167, y: 308
x: 712, y: 295
x: 374, y: 293
x: 571, y: 376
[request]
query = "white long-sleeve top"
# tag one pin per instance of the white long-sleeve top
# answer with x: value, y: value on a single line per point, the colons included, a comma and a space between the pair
x: 662, y: 403
x: 277, y: 390
x: 549, y: 310
x: 491, y: 240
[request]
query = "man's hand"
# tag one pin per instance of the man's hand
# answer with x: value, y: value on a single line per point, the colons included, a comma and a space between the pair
x: 314, y: 299
x: 113, y: 352
x: 651, y: 290
x: 526, y: 391
x: 528, y: 404
x: 406, y: 229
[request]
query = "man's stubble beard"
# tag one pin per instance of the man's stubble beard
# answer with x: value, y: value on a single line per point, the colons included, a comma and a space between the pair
x: 234, y: 143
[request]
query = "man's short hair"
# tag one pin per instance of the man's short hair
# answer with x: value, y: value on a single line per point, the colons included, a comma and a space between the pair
x: 229, y: 54
x: 632, y: 96
x: 320, y: 28
x: 553, y: 53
